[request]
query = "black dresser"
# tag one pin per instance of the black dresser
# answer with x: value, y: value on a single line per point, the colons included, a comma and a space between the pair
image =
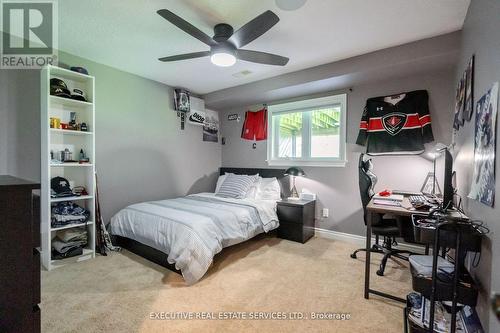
x: 20, y: 258
x: 296, y: 219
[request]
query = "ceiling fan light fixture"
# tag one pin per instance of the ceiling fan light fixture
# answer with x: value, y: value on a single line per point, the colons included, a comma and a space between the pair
x: 225, y: 45
x: 223, y: 59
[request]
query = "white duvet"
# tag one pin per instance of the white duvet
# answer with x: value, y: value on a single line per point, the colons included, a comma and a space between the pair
x: 193, y: 229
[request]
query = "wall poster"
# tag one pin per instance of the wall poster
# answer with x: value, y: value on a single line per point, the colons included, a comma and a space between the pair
x: 483, y: 178
x: 211, y: 126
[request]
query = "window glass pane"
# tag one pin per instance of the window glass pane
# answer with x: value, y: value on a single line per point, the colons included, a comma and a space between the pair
x: 325, y: 132
x: 289, y: 134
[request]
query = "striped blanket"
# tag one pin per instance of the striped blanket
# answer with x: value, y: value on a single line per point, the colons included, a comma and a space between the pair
x: 192, y: 229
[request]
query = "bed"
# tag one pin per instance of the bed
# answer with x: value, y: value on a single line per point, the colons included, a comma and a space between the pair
x: 184, y: 234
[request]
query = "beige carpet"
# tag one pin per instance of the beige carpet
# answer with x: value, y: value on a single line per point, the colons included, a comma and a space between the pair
x: 118, y: 293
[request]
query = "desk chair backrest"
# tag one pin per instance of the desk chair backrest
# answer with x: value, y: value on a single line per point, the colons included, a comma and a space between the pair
x: 367, y: 181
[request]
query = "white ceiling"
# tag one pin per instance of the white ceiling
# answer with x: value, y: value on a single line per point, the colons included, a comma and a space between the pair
x: 129, y: 35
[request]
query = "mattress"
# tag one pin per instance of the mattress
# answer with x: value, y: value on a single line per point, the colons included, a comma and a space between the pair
x: 191, y: 230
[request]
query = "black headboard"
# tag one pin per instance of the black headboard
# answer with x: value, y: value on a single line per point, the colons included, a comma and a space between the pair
x: 264, y: 173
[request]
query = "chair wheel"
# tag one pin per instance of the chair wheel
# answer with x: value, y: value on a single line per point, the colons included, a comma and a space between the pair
x: 380, y: 273
x: 353, y: 256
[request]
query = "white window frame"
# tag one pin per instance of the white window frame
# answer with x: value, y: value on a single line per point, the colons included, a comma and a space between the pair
x: 305, y: 105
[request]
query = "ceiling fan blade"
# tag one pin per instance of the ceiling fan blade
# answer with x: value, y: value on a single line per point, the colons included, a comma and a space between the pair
x: 253, y: 29
x: 262, y: 57
x: 186, y: 27
x: 186, y: 56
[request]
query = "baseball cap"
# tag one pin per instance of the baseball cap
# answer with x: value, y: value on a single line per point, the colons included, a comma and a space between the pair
x: 60, y: 186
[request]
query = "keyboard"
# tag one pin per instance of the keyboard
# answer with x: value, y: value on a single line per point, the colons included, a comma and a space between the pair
x: 407, y: 193
x: 417, y: 200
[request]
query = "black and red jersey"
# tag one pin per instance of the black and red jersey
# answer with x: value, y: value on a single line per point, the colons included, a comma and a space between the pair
x: 398, y: 124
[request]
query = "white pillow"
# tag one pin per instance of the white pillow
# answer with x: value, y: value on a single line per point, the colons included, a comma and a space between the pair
x: 252, y: 192
x: 268, y: 189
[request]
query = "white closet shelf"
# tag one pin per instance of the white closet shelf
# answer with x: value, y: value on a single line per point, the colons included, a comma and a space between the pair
x: 62, y: 165
x: 69, y: 102
x: 75, y: 198
x: 69, y: 132
x: 69, y: 74
x: 69, y: 226
x: 87, y: 254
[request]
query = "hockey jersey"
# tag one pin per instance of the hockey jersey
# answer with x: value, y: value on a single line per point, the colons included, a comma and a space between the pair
x: 398, y: 124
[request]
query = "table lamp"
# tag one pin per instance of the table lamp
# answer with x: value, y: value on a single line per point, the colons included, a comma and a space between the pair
x: 432, y: 155
x: 294, y: 172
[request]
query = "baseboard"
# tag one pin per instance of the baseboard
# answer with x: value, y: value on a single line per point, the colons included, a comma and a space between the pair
x: 360, y: 240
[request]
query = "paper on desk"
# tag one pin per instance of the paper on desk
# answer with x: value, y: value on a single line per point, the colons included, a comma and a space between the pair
x: 387, y: 202
x: 396, y: 197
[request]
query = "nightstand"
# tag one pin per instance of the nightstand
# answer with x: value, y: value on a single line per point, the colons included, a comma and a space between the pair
x: 296, y: 219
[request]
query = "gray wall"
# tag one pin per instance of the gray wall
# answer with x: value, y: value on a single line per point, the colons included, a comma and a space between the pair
x: 4, y: 121
x: 481, y: 37
x: 141, y: 152
x: 337, y: 188
x: 19, y: 123
x: 427, y: 55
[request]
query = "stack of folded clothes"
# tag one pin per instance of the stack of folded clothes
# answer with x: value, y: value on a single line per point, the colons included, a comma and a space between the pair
x: 66, y: 213
x: 69, y: 243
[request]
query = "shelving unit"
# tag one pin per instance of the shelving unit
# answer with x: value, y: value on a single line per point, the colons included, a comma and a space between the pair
x: 55, y: 140
x: 449, y: 282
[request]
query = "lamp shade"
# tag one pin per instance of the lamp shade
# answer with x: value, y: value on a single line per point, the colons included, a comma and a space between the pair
x: 434, y: 152
x: 294, y: 171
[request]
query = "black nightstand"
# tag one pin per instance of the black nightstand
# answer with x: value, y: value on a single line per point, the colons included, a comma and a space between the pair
x: 296, y: 219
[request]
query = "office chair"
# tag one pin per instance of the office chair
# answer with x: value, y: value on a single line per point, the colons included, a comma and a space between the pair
x: 389, y: 229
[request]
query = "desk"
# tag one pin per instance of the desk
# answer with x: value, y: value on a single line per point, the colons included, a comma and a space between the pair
x: 371, y: 209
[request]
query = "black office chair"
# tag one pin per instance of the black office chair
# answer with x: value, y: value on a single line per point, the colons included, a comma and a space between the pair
x: 389, y: 229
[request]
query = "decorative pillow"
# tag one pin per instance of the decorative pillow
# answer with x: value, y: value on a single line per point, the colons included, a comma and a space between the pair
x: 268, y: 189
x: 236, y: 186
x: 220, y: 181
x: 252, y: 191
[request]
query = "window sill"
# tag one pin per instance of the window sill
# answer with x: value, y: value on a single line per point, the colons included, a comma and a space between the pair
x: 336, y: 164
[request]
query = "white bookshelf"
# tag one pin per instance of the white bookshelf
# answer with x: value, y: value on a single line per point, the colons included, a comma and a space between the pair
x: 55, y: 139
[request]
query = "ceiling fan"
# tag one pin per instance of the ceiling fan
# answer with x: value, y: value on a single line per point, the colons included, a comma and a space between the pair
x: 225, y: 45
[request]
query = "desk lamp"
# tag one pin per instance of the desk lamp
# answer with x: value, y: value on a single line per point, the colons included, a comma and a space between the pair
x: 433, y: 154
x: 294, y: 172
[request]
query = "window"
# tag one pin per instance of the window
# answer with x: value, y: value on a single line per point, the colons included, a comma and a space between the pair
x: 308, y: 132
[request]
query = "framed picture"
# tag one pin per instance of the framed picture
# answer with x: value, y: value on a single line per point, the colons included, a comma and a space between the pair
x: 211, y: 126
x: 469, y: 90
x: 483, y: 178
x: 181, y: 100
x: 459, y: 104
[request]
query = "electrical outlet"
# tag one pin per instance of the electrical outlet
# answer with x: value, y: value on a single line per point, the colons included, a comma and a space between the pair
x: 325, y: 212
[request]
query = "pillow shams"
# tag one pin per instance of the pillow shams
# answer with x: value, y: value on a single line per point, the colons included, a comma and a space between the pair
x: 252, y: 191
x: 236, y: 186
x: 268, y: 189
x: 220, y: 181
